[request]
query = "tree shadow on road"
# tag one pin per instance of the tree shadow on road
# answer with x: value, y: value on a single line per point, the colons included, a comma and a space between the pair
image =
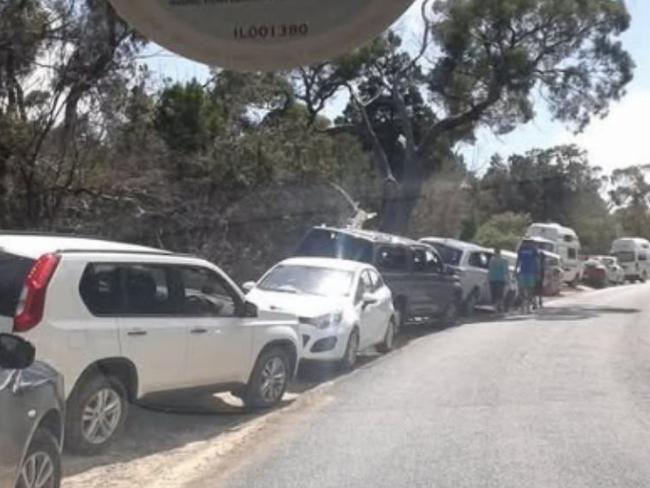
x: 566, y: 314
x: 581, y: 312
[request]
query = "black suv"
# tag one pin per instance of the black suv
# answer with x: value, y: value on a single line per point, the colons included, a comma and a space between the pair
x: 422, y: 288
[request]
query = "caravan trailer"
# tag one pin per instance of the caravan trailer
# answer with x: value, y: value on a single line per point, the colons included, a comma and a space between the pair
x: 566, y: 244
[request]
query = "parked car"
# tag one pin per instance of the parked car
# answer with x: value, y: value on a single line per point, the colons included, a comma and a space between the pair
x: 470, y: 263
x: 614, y: 272
x: 633, y: 254
x: 31, y: 418
x: 413, y: 271
x: 553, y: 275
x: 343, y: 306
x: 122, y: 321
x: 594, y: 274
x: 602, y: 271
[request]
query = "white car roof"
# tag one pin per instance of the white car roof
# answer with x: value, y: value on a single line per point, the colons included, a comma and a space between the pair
x: 465, y: 246
x: 552, y: 226
x: 34, y: 246
x: 538, y: 239
x: 329, y: 263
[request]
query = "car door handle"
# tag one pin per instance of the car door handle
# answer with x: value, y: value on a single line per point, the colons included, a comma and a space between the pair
x: 137, y: 333
x: 199, y: 330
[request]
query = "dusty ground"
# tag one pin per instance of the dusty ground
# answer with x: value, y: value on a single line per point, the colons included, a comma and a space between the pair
x: 177, y: 439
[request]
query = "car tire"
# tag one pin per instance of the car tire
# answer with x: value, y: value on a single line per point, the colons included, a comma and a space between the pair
x: 351, y: 351
x: 644, y: 277
x: 401, y: 315
x: 450, y: 316
x: 269, y: 380
x: 387, y: 344
x: 101, y: 402
x: 469, y: 307
x: 42, y: 454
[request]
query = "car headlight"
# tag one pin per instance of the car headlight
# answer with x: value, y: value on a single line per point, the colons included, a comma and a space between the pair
x: 324, y: 321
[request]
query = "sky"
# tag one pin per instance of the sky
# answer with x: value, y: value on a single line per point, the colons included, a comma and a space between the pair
x: 618, y: 140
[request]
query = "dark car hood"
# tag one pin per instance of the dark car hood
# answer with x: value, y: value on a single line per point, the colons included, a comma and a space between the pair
x: 36, y: 375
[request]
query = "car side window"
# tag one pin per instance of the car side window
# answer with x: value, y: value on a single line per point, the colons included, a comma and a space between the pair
x: 426, y: 261
x: 100, y: 289
x: 433, y: 263
x: 205, y: 294
x: 479, y: 260
x: 148, y: 290
x: 419, y: 260
x: 377, y: 282
x: 392, y: 258
x: 365, y: 286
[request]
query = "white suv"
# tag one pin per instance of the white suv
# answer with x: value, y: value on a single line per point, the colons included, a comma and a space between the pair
x: 122, y: 321
x: 471, y: 263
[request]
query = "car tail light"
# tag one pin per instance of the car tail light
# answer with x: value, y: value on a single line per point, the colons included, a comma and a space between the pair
x: 32, y: 299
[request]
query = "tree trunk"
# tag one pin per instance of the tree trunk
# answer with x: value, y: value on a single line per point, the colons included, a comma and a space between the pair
x: 4, y: 209
x: 400, y: 198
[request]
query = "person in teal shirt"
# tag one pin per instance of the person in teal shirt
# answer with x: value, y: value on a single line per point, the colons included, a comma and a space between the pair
x: 498, y: 277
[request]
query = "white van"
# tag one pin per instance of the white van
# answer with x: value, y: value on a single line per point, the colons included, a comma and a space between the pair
x: 633, y: 255
x: 566, y: 244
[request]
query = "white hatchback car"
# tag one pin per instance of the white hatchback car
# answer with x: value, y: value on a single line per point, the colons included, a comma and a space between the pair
x: 121, y: 321
x: 343, y: 306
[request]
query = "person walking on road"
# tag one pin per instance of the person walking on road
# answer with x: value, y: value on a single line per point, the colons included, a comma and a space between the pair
x: 527, y: 271
x: 498, y: 276
x: 541, y: 281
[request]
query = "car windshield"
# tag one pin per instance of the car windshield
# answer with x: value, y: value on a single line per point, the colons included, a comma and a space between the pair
x: 626, y: 256
x: 309, y: 280
x: 449, y: 255
x: 542, y: 245
x: 333, y: 244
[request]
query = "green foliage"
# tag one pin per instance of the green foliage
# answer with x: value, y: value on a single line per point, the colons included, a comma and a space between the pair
x: 495, y: 52
x: 503, y: 230
x: 631, y: 196
x: 185, y: 117
x: 547, y: 184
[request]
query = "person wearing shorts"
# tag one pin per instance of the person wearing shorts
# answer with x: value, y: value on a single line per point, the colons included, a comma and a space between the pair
x: 527, y: 273
x: 498, y: 276
x: 539, y: 285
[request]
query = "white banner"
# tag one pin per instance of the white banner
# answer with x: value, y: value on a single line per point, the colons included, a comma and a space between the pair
x: 260, y: 35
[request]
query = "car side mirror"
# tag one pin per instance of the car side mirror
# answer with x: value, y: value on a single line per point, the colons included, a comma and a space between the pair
x: 448, y: 270
x: 15, y: 352
x: 368, y: 299
x: 248, y: 286
x: 208, y: 290
x: 250, y: 310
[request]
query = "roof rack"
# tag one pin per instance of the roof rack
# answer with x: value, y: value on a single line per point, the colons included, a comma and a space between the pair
x: 118, y: 251
x: 80, y: 236
x: 50, y: 234
x: 373, y: 235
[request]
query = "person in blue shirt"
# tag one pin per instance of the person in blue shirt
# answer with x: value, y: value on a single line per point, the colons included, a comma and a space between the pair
x: 527, y: 272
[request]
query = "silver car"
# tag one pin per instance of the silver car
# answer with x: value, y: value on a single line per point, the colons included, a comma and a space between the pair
x: 31, y: 427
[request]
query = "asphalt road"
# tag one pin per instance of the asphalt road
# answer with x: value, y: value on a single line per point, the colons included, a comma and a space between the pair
x: 559, y: 399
